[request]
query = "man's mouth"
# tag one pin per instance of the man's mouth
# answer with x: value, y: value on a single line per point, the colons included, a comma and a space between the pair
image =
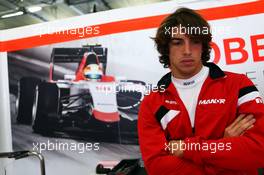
x: 187, y: 61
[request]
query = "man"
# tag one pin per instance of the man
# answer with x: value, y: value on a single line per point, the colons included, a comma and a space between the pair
x: 202, y: 120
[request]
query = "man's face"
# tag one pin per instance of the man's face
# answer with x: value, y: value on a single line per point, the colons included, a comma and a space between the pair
x: 185, y: 56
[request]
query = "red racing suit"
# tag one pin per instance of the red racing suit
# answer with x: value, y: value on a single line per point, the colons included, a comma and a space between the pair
x: 223, y: 96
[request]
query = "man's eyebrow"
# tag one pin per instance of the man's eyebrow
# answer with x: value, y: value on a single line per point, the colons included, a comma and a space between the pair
x: 175, y: 39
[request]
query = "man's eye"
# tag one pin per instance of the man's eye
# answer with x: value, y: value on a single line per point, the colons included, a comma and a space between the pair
x: 176, y: 43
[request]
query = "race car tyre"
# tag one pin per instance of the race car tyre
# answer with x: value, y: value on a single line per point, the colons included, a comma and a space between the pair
x: 130, y: 94
x: 46, y: 108
x: 25, y: 98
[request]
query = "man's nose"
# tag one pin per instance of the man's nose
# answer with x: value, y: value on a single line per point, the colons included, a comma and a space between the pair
x: 187, y: 48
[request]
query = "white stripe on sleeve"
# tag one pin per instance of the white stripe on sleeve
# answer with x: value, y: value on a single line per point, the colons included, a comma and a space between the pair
x: 171, y: 114
x: 248, y: 97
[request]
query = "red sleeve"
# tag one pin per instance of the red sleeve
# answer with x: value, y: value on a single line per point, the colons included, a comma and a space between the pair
x: 152, y: 144
x: 243, y: 152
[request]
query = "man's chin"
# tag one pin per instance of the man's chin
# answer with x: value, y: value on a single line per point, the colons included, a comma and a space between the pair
x: 188, y: 71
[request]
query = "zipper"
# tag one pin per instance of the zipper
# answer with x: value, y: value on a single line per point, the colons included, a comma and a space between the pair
x: 205, y: 84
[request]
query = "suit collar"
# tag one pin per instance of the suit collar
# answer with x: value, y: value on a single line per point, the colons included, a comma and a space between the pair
x: 214, y: 72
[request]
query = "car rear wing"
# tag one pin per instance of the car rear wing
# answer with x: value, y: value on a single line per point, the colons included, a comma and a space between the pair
x: 75, y: 55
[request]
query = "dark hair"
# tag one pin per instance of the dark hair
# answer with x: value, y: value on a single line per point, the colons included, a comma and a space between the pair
x: 187, y: 18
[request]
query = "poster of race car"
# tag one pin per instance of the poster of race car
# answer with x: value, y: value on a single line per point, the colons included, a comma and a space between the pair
x: 77, y: 95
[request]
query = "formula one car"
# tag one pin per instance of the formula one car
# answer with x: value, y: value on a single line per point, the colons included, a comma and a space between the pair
x: 85, y: 100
